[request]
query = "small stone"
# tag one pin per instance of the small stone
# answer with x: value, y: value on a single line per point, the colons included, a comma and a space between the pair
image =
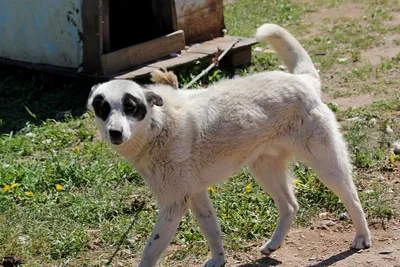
x: 342, y: 59
x: 30, y: 135
x: 381, y: 178
x: 312, y: 258
x: 396, y: 147
x: 300, y: 248
x: 323, y: 214
x: 258, y: 49
x: 368, y: 191
x: 328, y: 223
x: 352, y: 119
x: 302, y: 236
x: 282, y: 67
x: 389, y: 130
x: 372, y: 122
x: 321, y: 235
x: 120, y: 264
x: 385, y: 251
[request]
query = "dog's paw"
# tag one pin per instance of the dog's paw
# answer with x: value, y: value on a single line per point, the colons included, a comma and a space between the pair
x: 268, y: 248
x: 361, y: 242
x: 215, y: 263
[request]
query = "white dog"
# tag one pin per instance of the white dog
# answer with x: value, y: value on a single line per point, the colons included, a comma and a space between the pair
x: 182, y: 141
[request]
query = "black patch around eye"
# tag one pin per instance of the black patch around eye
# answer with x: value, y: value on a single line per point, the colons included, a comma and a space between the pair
x: 101, y: 107
x: 134, y: 107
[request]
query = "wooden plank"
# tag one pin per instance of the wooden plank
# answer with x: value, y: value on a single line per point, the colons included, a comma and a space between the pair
x: 106, y: 26
x: 92, y: 37
x: 178, y: 61
x: 141, y: 53
x: 210, y: 47
x: 138, y: 73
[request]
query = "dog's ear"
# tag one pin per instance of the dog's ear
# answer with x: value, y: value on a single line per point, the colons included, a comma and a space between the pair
x: 153, y: 98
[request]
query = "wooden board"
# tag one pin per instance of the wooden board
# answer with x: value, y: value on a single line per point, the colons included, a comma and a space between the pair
x: 239, y: 55
x: 210, y: 47
x: 201, y: 20
x: 135, y: 55
x: 92, y: 35
x: 174, y: 62
x: 137, y: 73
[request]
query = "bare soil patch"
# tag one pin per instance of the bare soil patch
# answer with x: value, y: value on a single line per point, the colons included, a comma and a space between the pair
x: 329, y: 246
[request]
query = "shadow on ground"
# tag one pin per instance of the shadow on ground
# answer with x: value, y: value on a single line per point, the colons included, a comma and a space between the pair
x: 25, y: 92
x: 266, y: 261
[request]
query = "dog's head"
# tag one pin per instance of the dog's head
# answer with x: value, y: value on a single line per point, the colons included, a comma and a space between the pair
x: 121, y: 108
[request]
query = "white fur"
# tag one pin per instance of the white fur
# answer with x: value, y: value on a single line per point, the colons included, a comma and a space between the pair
x: 201, y: 137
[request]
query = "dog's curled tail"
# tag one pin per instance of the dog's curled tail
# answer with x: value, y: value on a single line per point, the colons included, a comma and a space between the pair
x: 289, y: 50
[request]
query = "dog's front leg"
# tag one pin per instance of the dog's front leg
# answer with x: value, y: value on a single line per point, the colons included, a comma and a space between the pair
x: 168, y: 220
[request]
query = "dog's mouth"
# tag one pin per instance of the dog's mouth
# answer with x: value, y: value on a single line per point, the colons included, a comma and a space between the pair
x: 116, y: 142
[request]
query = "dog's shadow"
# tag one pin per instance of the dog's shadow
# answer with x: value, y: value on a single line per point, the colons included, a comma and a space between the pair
x: 267, y: 261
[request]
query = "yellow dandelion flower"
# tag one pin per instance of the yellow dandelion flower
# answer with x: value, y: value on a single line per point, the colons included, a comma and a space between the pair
x: 227, y: 217
x: 14, y: 185
x: 211, y: 190
x: 6, y: 188
x: 295, y: 182
x: 76, y: 148
x: 391, y: 158
x: 248, y: 188
x: 29, y: 193
x: 59, y: 187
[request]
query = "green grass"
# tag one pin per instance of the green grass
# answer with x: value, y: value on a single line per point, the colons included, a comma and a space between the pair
x: 47, y: 138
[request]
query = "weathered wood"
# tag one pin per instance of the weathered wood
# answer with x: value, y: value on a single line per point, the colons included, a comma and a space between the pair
x: 201, y: 20
x: 174, y: 62
x: 212, y: 46
x: 92, y: 35
x: 105, y: 16
x: 134, y: 74
x: 141, y: 53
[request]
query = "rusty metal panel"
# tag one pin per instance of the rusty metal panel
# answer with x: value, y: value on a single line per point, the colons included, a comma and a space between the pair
x: 200, y: 20
x: 44, y: 31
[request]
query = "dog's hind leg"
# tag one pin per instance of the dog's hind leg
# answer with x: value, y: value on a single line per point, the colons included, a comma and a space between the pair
x: 327, y: 155
x: 204, y: 213
x: 272, y: 174
x: 166, y: 225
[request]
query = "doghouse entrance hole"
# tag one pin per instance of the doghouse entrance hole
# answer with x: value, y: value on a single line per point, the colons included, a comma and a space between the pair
x: 134, y: 22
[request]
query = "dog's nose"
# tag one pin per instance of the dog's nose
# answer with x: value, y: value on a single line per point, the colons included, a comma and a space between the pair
x: 115, y: 135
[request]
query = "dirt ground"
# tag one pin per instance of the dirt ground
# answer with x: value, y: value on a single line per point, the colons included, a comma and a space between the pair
x: 321, y: 245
